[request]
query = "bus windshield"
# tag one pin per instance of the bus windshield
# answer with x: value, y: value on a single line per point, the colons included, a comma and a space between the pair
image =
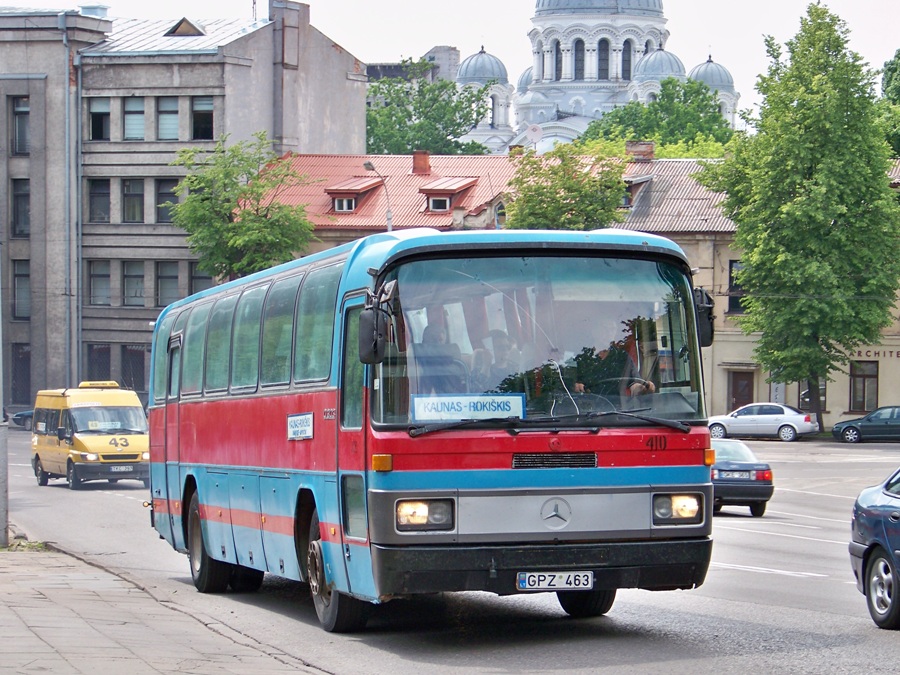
x: 109, y: 420
x: 558, y: 338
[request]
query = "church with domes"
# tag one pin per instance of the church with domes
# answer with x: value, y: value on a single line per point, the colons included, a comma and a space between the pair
x: 589, y: 57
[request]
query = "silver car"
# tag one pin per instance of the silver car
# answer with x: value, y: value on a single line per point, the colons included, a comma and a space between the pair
x: 764, y: 419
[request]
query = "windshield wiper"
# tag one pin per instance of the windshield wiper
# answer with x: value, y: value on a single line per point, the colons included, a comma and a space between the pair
x: 672, y: 424
x: 502, y: 422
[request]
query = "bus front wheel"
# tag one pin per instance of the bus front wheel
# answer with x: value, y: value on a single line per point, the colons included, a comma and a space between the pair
x: 209, y: 575
x: 583, y: 604
x: 337, y: 612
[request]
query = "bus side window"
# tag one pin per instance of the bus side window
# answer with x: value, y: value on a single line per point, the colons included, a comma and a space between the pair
x: 218, y: 345
x: 314, y: 341
x: 161, y: 358
x: 245, y: 348
x: 193, y: 350
x: 352, y: 374
x: 278, y: 329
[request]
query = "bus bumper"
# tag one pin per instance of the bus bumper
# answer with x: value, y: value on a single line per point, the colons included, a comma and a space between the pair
x: 653, y: 565
x: 105, y: 471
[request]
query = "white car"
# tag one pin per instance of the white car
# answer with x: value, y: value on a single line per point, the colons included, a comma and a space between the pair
x: 764, y: 419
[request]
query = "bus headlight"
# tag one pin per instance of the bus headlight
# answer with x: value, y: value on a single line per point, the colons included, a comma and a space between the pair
x: 146, y: 456
x: 677, y: 509
x: 89, y: 456
x: 420, y: 515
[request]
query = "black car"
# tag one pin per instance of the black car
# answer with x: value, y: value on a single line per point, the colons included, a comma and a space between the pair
x: 882, y: 424
x: 23, y: 419
x: 874, y: 546
x: 739, y: 478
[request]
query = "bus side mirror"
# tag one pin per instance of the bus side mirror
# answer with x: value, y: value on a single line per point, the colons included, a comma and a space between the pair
x: 704, y: 303
x: 372, y: 340
x: 61, y: 433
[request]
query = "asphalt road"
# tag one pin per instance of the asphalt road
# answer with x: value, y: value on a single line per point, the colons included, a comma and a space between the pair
x: 779, y: 596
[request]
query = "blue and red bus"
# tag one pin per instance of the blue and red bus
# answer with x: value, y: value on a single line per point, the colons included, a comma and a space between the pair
x: 409, y: 413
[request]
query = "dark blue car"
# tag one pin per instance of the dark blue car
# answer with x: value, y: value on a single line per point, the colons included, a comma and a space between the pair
x: 875, y: 540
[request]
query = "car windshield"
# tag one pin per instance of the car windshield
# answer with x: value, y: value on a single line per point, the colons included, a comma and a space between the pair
x: 732, y: 451
x: 495, y: 339
x: 109, y: 420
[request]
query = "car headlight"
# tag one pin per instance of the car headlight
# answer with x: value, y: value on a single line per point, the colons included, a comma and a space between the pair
x: 89, y: 456
x: 677, y: 509
x: 425, y: 514
x: 146, y: 456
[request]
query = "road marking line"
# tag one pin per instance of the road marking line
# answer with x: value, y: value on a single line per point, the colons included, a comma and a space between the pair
x: 816, y: 494
x: 768, y: 570
x: 801, y: 515
x: 789, y: 536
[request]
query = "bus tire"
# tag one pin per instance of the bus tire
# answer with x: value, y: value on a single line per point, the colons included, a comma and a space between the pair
x: 337, y: 612
x: 245, y: 579
x: 72, y: 479
x: 209, y: 575
x: 584, y: 604
x: 39, y: 473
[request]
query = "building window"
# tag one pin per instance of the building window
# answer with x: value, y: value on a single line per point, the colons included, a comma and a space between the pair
x: 21, y: 207
x: 603, y: 60
x: 166, y: 283
x: 21, y: 289
x: 99, y: 119
x: 134, y: 118
x: 134, y: 368
x: 21, y: 374
x: 200, y: 280
x: 558, y: 59
x: 579, y: 59
x: 98, y: 200
x: 133, y: 200
x: 863, y: 385
x: 167, y: 118
x: 439, y: 204
x: 133, y: 283
x: 500, y: 216
x: 735, y: 292
x: 344, y: 205
x: 98, y: 362
x: 202, y: 118
x: 21, y: 111
x: 627, y: 55
x: 99, y: 282
x: 165, y: 193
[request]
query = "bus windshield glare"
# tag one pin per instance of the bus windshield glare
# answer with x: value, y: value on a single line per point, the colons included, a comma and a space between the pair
x: 539, y: 338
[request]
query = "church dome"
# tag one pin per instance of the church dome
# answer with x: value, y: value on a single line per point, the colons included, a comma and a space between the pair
x: 481, y: 68
x: 631, y: 7
x: 714, y: 76
x: 658, y: 65
x: 525, y: 80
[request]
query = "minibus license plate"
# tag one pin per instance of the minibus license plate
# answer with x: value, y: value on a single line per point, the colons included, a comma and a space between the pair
x: 554, y: 581
x: 121, y: 467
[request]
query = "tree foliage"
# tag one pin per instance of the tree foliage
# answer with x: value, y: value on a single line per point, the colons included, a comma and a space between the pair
x: 571, y: 187
x: 231, y: 211
x: 817, y: 222
x: 682, y: 112
x: 889, y: 105
x: 412, y: 113
x: 890, y: 79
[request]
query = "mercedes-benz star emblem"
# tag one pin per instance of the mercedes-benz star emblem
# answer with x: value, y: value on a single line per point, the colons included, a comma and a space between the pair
x: 556, y: 513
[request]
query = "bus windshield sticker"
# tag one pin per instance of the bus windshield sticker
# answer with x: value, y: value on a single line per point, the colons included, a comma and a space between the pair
x: 462, y: 406
x: 300, y: 427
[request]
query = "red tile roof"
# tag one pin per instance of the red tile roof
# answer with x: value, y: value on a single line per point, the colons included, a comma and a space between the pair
x: 475, y: 181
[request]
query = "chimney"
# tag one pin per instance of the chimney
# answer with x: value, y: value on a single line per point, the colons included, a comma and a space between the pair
x: 421, y: 162
x: 640, y: 151
x: 97, y: 11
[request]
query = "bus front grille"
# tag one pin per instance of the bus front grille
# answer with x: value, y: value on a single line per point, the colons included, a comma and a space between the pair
x: 568, y: 460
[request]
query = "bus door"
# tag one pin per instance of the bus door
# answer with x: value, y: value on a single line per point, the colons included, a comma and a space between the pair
x: 172, y: 488
x: 351, y: 456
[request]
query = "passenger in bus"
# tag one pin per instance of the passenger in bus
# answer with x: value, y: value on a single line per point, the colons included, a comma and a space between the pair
x: 609, y: 370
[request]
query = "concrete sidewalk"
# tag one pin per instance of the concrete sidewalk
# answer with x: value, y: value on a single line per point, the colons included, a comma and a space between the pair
x: 59, y: 614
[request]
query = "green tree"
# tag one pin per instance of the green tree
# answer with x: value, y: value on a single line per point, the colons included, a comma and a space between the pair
x: 681, y: 112
x: 889, y: 105
x: 231, y: 211
x: 890, y: 79
x: 817, y: 221
x: 568, y: 188
x: 411, y: 113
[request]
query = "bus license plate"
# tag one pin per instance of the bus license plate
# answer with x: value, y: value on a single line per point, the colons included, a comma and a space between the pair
x: 121, y: 467
x: 554, y: 581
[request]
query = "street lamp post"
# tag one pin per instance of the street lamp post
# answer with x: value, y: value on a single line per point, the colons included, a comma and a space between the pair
x: 368, y: 166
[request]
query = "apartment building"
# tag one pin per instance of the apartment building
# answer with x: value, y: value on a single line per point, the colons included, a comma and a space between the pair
x: 96, y: 108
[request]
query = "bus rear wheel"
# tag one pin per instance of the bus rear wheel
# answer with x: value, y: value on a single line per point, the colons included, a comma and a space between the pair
x: 337, y: 612
x: 39, y: 473
x: 209, y: 575
x: 584, y: 604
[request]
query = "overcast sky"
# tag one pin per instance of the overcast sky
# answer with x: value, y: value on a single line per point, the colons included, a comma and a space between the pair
x: 388, y: 30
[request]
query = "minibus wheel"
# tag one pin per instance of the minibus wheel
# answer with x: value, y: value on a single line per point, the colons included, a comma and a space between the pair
x: 209, y: 575
x: 584, y: 604
x: 72, y: 479
x: 337, y: 612
x: 39, y: 473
